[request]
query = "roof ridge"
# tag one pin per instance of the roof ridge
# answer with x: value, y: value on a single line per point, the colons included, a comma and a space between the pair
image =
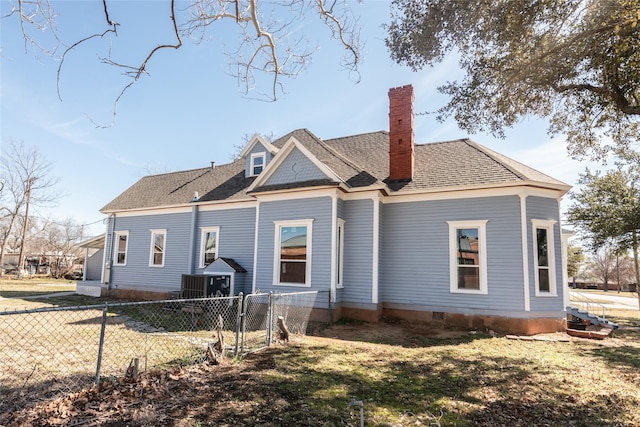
x: 191, y: 170
x: 449, y: 141
x: 155, y: 175
x: 344, y: 158
x: 356, y: 135
x: 489, y: 153
x: 322, y: 143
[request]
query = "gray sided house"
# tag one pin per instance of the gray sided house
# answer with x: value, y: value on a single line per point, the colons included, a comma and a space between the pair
x: 448, y: 231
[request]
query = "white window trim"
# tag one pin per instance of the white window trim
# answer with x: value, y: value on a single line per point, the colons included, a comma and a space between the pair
x: 276, y: 251
x: 117, y: 235
x: 203, y: 232
x: 252, y: 164
x: 548, y: 225
x: 340, y: 254
x: 481, y: 225
x: 155, y: 232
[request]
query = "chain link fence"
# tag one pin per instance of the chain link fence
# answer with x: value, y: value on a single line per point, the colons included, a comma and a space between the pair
x: 57, y: 350
x: 299, y: 312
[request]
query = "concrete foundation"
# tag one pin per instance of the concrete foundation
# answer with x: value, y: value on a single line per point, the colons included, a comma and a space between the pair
x: 520, y: 326
x: 135, y: 295
x: 373, y: 314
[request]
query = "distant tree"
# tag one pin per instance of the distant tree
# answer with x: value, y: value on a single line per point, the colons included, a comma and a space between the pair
x: 237, y: 148
x: 625, y: 271
x: 575, y: 258
x: 268, y: 35
x: 602, y: 266
x: 574, y: 61
x: 607, y: 211
x: 26, y: 178
x: 57, y: 243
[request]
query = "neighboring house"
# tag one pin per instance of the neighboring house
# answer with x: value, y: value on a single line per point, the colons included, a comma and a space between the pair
x: 450, y: 231
x: 93, y: 257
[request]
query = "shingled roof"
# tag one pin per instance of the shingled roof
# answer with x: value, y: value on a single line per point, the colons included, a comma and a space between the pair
x: 359, y: 160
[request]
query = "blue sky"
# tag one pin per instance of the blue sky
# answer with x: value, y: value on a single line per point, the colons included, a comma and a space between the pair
x: 190, y: 112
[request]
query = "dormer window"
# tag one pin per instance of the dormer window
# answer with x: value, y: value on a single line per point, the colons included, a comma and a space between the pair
x: 257, y: 163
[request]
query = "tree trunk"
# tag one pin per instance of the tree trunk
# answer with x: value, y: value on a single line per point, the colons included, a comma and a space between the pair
x: 215, y: 351
x: 3, y: 245
x: 635, y: 262
x: 284, y: 331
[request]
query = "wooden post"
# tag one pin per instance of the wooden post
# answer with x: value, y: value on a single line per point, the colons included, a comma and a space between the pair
x: 284, y: 331
x: 215, y: 351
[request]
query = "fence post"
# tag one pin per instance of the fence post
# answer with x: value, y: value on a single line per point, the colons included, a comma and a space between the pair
x: 101, y: 344
x: 238, y: 322
x: 269, y: 319
x: 244, y: 303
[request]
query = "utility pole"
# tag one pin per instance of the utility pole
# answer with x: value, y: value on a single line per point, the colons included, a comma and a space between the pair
x: 24, y: 229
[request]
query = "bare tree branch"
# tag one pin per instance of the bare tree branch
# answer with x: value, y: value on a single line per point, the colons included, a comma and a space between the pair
x: 345, y: 33
x: 271, y: 42
x: 617, y: 97
x: 136, y: 72
x: 27, y: 175
x: 41, y: 17
x: 70, y: 48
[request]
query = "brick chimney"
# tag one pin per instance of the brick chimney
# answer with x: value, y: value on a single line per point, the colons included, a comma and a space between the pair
x: 401, y: 157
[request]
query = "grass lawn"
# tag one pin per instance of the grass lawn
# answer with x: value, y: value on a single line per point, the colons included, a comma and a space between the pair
x: 404, y: 374
x: 596, y: 292
x: 15, y: 288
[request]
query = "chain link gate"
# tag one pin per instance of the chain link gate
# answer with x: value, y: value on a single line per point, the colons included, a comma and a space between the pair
x: 298, y: 310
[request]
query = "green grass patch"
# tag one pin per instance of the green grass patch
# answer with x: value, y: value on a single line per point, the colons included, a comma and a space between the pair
x: 485, y: 381
x: 409, y: 376
x: 17, y: 288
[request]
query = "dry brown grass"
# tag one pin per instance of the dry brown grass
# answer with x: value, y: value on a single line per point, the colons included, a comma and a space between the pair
x: 405, y: 374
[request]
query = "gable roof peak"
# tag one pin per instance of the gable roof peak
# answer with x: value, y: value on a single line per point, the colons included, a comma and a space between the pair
x: 258, y: 139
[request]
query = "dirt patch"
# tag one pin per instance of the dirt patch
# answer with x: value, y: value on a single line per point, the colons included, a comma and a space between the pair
x: 156, y: 398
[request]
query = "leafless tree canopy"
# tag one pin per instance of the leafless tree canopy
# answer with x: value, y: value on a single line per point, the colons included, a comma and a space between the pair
x: 55, y: 244
x: 607, y: 266
x: 270, y: 42
x: 25, y: 176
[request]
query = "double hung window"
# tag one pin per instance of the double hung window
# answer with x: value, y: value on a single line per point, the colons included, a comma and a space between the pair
x: 158, y: 242
x: 468, y: 256
x: 340, y: 254
x: 257, y: 163
x: 209, y: 245
x: 121, y: 243
x: 544, y: 258
x: 293, y: 253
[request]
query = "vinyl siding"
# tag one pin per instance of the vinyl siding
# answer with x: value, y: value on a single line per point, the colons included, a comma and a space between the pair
x: 358, y: 251
x: 545, y: 209
x: 94, y: 265
x: 295, y: 168
x: 414, y: 265
x: 137, y: 274
x: 319, y: 210
x: 340, y: 208
x: 236, y: 239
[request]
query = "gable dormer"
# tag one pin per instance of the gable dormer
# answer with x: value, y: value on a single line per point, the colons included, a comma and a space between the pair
x: 295, y: 165
x: 257, y: 154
